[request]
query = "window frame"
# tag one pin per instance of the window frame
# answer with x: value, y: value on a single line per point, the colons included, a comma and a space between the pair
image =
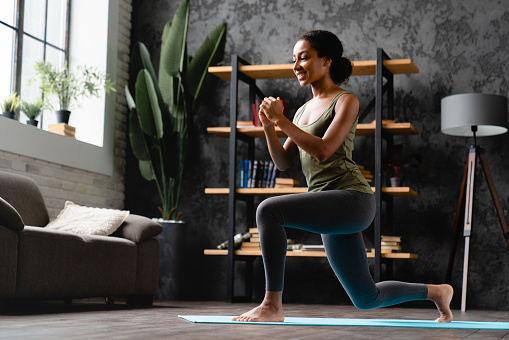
x: 20, y: 35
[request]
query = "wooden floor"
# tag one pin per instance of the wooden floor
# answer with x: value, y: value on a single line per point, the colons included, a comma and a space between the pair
x: 92, y: 319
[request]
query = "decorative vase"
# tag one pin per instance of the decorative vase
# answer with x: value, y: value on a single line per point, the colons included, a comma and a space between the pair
x: 32, y: 122
x: 63, y: 116
x: 395, y: 181
x: 171, y: 259
x: 9, y: 115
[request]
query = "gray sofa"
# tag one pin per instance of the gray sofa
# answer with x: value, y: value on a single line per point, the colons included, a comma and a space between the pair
x: 40, y: 263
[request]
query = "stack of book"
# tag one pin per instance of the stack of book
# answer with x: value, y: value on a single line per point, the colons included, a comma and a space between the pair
x: 286, y: 182
x: 63, y: 129
x: 389, y: 244
x: 366, y: 173
x: 257, y: 174
x: 254, y: 241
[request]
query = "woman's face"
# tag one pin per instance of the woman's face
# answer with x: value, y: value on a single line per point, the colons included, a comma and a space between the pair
x: 307, y: 66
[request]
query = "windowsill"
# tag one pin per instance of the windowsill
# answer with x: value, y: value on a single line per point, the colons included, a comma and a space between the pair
x: 21, y: 139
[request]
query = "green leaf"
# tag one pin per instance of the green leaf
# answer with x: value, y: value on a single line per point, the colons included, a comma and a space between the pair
x: 210, y: 53
x: 173, y: 46
x: 147, y: 170
x: 137, y: 139
x: 129, y: 98
x: 140, y: 59
x: 149, y: 112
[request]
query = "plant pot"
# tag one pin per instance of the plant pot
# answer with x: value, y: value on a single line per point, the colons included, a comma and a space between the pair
x: 395, y: 181
x: 172, y: 241
x: 63, y: 116
x: 9, y: 115
x: 32, y: 122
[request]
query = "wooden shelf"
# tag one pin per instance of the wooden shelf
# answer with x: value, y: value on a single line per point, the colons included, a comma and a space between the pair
x: 391, y: 191
x: 362, y: 130
x: 279, y: 71
x: 222, y: 252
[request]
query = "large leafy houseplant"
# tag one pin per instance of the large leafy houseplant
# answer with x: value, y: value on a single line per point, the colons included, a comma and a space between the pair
x: 69, y: 87
x: 162, y: 108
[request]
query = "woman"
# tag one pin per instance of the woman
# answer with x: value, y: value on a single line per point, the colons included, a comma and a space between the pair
x: 340, y: 204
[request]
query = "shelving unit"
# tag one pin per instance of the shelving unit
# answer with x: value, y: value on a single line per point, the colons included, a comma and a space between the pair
x: 384, y: 68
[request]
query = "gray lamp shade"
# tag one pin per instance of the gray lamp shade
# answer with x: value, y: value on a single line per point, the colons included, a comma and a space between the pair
x: 462, y: 111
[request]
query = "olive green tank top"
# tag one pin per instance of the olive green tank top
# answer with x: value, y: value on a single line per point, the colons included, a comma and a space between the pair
x: 339, y: 172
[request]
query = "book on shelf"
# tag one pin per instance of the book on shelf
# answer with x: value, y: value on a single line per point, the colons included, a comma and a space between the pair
x: 386, y: 238
x: 257, y: 174
x: 286, y: 182
x: 256, y: 109
x: 253, y: 243
x: 390, y: 244
x: 245, y: 123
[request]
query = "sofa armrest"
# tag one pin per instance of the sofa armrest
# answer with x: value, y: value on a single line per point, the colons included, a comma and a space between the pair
x: 9, y: 217
x: 138, y: 228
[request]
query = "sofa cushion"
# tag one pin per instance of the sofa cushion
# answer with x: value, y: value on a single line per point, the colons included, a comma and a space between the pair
x: 58, y: 264
x: 82, y: 220
x: 9, y: 216
x: 138, y: 228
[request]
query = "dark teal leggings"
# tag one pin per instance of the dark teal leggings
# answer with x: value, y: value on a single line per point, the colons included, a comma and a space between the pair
x: 339, y: 216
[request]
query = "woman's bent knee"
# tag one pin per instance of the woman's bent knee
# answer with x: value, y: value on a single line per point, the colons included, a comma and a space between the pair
x: 364, y: 304
x: 267, y: 211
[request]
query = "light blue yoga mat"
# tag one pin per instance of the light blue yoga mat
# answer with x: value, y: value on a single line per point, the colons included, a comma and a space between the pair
x: 292, y: 321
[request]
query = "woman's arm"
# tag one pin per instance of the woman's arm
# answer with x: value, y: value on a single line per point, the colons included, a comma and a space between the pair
x: 346, y: 109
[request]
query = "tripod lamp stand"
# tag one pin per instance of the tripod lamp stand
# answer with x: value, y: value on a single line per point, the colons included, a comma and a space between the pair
x: 473, y: 115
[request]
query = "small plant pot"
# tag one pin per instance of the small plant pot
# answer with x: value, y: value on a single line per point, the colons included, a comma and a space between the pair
x: 63, y: 116
x: 9, y: 115
x: 395, y: 181
x: 32, y: 122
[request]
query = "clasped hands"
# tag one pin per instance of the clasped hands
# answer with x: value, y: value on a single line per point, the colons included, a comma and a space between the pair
x: 271, y: 110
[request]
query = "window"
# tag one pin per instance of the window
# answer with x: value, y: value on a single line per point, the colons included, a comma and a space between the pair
x: 92, y: 29
x: 35, y: 30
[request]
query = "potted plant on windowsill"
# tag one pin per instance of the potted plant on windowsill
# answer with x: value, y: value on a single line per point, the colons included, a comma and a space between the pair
x: 160, y: 112
x: 69, y: 87
x: 10, y: 105
x: 32, y: 110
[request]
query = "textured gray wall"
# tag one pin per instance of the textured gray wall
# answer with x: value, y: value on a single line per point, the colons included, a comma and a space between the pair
x: 459, y: 46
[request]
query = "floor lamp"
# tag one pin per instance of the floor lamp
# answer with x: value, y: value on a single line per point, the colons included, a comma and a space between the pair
x: 473, y: 115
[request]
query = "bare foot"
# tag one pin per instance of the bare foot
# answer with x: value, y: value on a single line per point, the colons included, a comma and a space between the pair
x: 441, y: 295
x: 262, y: 314
x: 270, y: 310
